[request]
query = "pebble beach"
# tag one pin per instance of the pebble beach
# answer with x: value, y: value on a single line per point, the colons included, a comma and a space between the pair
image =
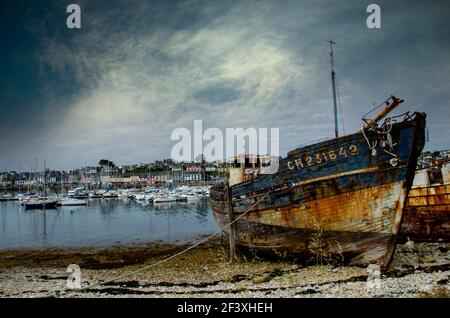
x: 418, y: 270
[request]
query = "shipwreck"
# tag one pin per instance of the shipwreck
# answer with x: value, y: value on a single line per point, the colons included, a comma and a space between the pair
x: 341, y: 197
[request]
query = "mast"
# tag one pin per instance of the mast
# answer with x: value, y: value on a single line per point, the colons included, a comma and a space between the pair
x: 20, y: 175
x: 202, y: 171
x: 4, y: 182
x: 29, y: 179
x: 333, y: 81
x: 45, y: 181
x: 36, y: 175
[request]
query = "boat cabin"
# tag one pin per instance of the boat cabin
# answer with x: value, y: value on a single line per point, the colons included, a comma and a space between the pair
x: 432, y: 175
x: 246, y: 167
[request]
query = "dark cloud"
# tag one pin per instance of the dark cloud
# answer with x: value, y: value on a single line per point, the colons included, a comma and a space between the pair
x: 137, y: 70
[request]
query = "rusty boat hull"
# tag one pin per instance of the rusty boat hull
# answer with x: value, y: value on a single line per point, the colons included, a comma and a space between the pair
x: 427, y: 213
x: 334, y: 199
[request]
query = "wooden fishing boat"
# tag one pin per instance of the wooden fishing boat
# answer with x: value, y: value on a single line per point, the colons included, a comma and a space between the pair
x: 427, y: 212
x: 343, y: 197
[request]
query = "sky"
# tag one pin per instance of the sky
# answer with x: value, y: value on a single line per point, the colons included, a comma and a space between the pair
x: 137, y: 70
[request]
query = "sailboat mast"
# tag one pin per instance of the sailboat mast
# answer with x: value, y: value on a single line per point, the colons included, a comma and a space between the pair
x: 4, y: 182
x: 333, y: 81
x: 45, y: 181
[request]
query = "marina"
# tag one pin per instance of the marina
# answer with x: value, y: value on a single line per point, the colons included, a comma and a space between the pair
x: 103, y: 223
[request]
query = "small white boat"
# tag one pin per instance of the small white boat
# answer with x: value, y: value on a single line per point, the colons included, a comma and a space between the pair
x: 71, y: 202
x: 140, y: 197
x: 8, y: 197
x: 190, y: 196
x: 24, y: 197
x: 149, y: 197
x: 164, y: 198
x: 77, y: 192
x: 110, y: 195
x: 124, y: 194
x: 95, y: 195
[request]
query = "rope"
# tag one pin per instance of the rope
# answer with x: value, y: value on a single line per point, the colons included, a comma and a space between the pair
x: 177, y: 254
x: 368, y: 142
x: 384, y: 130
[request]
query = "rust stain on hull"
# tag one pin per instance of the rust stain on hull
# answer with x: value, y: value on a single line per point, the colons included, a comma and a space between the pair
x: 361, y: 235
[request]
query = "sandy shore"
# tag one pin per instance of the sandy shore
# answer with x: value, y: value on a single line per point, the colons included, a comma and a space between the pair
x: 418, y: 270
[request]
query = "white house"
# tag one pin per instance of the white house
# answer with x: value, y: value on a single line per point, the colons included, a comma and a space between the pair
x: 192, y: 176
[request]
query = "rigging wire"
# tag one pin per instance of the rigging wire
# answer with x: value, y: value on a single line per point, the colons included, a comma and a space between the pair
x: 383, y: 103
x: 340, y: 109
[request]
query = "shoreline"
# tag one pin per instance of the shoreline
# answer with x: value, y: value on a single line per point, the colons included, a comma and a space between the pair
x: 418, y: 270
x: 99, y: 257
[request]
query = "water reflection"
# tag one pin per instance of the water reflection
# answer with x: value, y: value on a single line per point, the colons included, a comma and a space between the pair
x: 104, y: 223
x: 202, y: 209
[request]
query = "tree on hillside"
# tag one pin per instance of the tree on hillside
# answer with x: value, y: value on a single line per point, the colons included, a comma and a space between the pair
x: 435, y: 154
x: 105, y: 162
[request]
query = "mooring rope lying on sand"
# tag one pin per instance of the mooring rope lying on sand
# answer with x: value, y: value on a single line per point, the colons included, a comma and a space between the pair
x: 168, y: 258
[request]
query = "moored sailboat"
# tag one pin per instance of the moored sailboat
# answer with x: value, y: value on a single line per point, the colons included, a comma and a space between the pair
x: 43, y: 202
x: 40, y: 204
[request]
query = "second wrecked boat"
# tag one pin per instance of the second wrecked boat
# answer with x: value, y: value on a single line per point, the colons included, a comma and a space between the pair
x: 427, y: 212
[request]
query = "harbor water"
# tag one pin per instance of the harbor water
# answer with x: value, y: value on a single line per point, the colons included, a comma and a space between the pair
x: 104, y: 223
